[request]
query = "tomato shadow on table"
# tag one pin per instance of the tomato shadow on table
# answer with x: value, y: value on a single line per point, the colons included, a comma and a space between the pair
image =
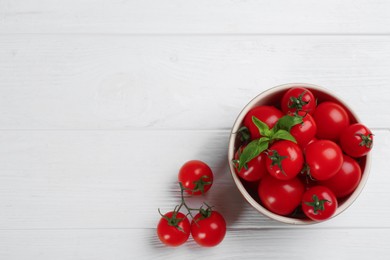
x: 225, y: 196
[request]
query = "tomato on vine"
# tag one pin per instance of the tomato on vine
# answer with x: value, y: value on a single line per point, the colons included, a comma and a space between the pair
x: 174, y: 228
x: 208, y: 227
x: 196, y: 177
x: 319, y: 203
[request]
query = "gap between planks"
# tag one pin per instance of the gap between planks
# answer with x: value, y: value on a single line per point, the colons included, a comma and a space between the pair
x: 140, y: 129
x: 110, y: 34
x: 229, y: 229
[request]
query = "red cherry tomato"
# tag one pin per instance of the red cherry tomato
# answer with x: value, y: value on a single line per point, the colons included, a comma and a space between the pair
x: 284, y: 160
x: 208, y: 228
x: 267, y: 114
x: 280, y: 196
x: 319, y: 203
x: 196, y: 177
x: 346, y: 179
x: 298, y: 99
x: 331, y: 119
x: 173, y: 229
x: 324, y: 159
x: 356, y: 140
x: 255, y: 168
x: 306, y: 131
x: 304, y: 146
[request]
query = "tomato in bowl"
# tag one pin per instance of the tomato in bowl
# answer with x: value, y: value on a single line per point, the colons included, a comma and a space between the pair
x: 305, y: 132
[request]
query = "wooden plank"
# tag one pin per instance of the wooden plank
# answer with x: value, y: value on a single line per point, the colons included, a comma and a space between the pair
x: 199, y: 17
x: 118, y: 179
x: 125, y: 82
x: 247, y: 244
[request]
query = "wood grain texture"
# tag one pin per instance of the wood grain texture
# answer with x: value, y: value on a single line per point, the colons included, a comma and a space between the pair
x: 116, y: 179
x: 126, y: 82
x: 247, y: 244
x: 195, y: 16
x: 101, y: 102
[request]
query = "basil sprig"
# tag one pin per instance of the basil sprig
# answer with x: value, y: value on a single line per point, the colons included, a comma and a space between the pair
x: 281, y: 131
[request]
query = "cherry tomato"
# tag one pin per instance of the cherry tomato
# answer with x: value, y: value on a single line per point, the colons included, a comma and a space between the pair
x: 324, y: 159
x: 319, y: 203
x: 208, y: 228
x: 304, y: 146
x: 346, y: 179
x: 284, y: 160
x: 196, y: 177
x: 280, y: 196
x: 356, y: 140
x: 255, y: 168
x: 173, y: 229
x: 267, y: 114
x: 306, y: 131
x: 331, y: 119
x: 298, y: 99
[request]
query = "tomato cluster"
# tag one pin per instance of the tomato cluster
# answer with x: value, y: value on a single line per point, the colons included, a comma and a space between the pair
x: 302, y: 155
x: 207, y: 227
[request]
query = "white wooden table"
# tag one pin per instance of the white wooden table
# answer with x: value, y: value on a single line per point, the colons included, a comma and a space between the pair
x: 101, y: 102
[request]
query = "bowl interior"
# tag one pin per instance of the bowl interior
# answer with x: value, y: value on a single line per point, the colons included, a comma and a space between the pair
x: 272, y: 97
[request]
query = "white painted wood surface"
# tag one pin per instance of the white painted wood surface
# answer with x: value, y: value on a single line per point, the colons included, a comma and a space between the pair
x: 102, y: 101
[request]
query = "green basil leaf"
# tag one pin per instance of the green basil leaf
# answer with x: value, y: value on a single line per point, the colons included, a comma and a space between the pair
x: 263, y: 139
x: 287, y: 121
x: 263, y: 127
x: 284, y: 135
x: 252, y: 150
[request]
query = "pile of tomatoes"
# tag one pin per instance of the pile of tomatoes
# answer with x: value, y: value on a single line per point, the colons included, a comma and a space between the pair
x: 302, y: 156
x: 208, y: 226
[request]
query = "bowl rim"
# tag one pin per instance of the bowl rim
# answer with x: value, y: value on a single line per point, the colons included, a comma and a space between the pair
x: 232, y: 139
